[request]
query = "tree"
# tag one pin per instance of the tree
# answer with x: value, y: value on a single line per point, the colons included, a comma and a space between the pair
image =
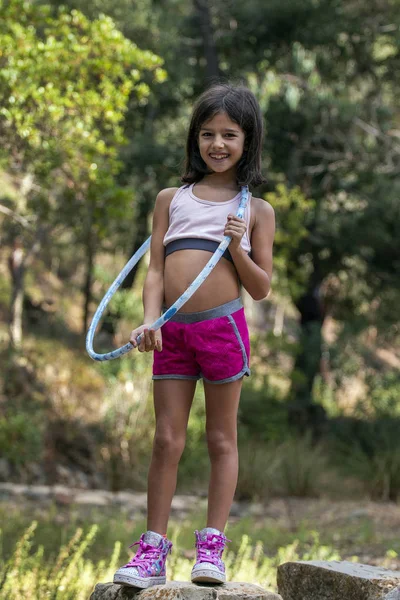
x: 64, y: 89
x: 331, y: 114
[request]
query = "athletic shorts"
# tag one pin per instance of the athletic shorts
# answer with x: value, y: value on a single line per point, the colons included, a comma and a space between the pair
x: 212, y: 344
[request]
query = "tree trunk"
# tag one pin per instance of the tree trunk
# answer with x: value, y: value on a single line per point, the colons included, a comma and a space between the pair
x: 17, y: 271
x: 17, y: 263
x: 304, y: 414
x: 89, y: 255
x: 140, y: 238
x: 87, y: 288
x: 210, y: 50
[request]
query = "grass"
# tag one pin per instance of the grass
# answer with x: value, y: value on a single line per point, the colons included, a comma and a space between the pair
x: 62, y: 552
x: 32, y: 572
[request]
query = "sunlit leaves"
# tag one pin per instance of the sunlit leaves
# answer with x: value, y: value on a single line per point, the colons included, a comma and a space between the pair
x: 65, y: 84
x: 293, y: 211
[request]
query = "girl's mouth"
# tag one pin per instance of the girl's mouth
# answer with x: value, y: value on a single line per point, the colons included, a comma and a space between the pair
x: 218, y: 156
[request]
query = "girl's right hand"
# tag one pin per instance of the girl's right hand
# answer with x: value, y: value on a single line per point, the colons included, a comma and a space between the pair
x: 151, y: 340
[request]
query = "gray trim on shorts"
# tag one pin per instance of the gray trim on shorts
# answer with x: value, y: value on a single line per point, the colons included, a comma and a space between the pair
x: 196, y: 377
x: 224, y: 310
x: 245, y: 370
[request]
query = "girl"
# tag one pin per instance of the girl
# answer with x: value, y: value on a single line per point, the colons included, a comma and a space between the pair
x: 208, y: 338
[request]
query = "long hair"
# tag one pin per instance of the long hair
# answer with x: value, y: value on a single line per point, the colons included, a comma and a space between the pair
x: 241, y: 106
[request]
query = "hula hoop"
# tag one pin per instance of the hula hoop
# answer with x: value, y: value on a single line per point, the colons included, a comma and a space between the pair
x: 169, y: 313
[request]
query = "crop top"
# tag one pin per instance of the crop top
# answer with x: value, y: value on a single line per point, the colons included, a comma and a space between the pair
x: 195, y: 223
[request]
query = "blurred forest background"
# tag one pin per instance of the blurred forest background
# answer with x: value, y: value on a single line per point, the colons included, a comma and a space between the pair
x: 95, y: 98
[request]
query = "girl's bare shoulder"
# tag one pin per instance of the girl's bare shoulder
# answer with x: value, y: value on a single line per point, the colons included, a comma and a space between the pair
x: 165, y: 196
x: 262, y: 212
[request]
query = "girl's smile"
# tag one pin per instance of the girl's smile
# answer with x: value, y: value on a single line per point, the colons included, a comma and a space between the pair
x: 221, y: 143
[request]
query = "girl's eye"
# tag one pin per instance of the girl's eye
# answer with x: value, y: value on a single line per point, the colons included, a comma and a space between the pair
x: 207, y: 133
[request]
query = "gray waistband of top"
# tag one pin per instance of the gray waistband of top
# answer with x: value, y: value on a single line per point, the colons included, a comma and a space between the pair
x: 195, y: 244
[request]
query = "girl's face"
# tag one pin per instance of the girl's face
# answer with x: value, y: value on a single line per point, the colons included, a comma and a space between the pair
x: 221, y: 143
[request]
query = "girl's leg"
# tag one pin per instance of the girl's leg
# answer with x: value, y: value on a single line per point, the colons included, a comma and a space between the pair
x: 172, y: 402
x: 222, y: 402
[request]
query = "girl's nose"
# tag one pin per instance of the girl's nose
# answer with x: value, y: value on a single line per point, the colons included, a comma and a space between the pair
x: 218, y: 142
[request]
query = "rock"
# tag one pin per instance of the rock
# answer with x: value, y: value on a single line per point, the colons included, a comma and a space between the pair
x: 334, y: 580
x: 93, y: 498
x: 37, y: 492
x: 178, y: 590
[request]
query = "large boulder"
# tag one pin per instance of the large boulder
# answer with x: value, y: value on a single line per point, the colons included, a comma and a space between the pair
x: 177, y: 590
x: 333, y: 580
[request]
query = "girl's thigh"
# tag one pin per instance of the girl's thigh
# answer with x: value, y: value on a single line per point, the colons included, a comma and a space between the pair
x: 172, y: 403
x: 222, y: 403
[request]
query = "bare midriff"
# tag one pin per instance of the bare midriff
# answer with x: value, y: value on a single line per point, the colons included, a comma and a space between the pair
x: 183, y: 266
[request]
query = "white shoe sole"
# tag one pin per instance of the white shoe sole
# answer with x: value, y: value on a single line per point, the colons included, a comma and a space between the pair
x: 208, y: 574
x: 123, y: 578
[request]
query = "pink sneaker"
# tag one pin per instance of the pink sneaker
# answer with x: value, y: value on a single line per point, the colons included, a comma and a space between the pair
x: 210, y: 544
x: 147, y: 568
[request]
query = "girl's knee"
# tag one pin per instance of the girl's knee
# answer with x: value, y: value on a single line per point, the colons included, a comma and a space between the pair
x: 221, y: 443
x: 168, y: 447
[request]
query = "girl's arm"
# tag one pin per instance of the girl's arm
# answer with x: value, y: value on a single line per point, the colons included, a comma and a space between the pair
x: 153, y: 290
x: 255, y: 273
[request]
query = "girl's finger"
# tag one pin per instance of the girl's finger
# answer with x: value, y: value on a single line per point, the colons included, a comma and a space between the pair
x: 148, y: 341
x: 152, y: 338
x: 231, y: 231
x: 235, y: 218
x: 142, y: 346
x: 236, y: 229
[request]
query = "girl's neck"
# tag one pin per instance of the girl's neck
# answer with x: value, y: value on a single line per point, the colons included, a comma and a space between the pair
x: 220, y: 180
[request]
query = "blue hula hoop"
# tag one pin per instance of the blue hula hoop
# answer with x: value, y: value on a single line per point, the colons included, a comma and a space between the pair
x: 169, y: 313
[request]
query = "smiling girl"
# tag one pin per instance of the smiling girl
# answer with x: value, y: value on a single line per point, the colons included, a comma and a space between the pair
x: 209, y: 337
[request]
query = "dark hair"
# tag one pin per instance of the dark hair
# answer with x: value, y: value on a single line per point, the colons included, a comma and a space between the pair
x: 241, y: 106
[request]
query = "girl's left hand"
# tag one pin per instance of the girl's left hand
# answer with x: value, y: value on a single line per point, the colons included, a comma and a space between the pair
x: 235, y: 228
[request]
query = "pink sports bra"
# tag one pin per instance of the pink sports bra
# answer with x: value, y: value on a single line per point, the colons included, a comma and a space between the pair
x: 199, y: 224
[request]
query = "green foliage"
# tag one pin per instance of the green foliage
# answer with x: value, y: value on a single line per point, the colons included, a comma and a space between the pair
x: 4, y: 293
x: 20, y: 438
x: 88, y: 136
x: 289, y: 467
x: 72, y: 96
x: 65, y: 87
x: 69, y: 577
x: 262, y: 413
x: 300, y: 468
x: 127, y: 427
x: 293, y: 213
x: 255, y: 481
x: 370, y: 451
x: 71, y: 574
x: 383, y: 394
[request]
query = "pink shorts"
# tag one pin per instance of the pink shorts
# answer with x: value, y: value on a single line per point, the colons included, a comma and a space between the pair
x: 211, y: 344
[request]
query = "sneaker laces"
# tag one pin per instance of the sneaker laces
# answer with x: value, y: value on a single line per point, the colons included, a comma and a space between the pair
x: 146, y: 552
x: 213, y: 543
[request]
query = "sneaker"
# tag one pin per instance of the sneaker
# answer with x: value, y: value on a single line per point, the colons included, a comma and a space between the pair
x: 209, y: 567
x: 147, y: 567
